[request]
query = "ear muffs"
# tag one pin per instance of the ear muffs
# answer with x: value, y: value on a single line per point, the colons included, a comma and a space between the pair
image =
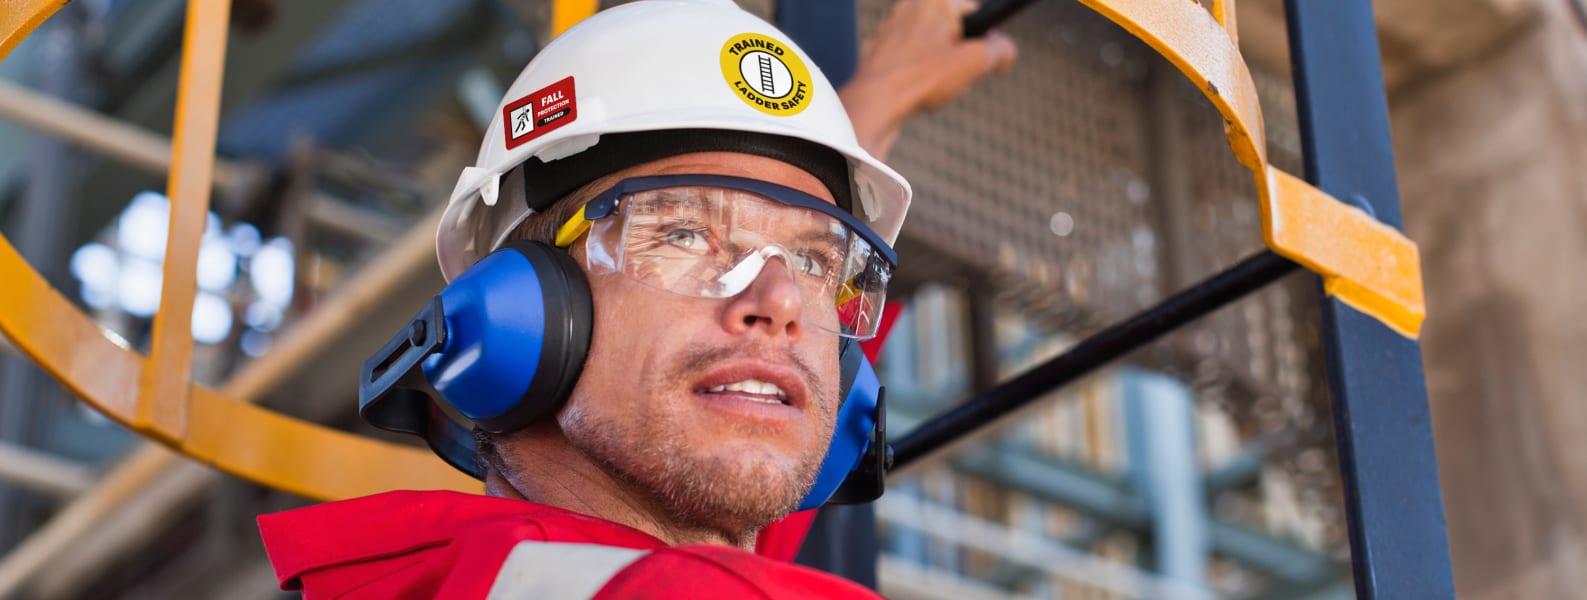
x: 505, y: 343
x: 518, y: 325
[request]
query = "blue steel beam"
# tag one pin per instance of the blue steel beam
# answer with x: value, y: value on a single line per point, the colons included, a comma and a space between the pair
x: 1398, y: 542
x: 1160, y: 424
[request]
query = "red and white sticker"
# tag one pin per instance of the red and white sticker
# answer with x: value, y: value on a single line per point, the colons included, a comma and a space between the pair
x: 539, y: 113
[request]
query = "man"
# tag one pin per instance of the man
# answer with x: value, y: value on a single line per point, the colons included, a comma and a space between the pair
x: 690, y: 163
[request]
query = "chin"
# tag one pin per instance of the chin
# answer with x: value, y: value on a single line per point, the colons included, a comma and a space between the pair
x: 737, y: 486
x: 733, y: 480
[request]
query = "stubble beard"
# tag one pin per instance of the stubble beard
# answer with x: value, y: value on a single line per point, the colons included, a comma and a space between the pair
x: 735, y: 495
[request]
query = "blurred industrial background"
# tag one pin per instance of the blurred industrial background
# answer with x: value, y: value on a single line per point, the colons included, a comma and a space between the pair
x: 1086, y: 184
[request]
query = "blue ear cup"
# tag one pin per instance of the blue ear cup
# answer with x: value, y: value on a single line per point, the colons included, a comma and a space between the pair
x: 518, y: 326
x: 860, y: 433
x: 503, y: 345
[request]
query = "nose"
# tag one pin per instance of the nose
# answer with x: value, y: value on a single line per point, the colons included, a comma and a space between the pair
x: 772, y: 303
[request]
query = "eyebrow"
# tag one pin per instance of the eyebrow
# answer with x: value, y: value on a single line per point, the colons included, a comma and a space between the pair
x: 833, y: 238
x: 675, y: 199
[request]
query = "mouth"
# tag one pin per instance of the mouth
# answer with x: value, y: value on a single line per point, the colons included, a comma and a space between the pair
x: 753, y: 390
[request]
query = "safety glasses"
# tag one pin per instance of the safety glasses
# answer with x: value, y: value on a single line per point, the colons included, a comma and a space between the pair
x: 711, y: 236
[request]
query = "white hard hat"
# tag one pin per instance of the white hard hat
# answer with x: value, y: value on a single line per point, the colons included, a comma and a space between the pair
x: 651, y: 66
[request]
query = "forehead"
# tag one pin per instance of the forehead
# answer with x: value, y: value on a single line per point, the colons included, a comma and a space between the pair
x: 727, y: 163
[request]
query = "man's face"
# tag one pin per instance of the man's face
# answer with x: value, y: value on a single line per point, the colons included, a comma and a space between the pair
x: 647, y: 407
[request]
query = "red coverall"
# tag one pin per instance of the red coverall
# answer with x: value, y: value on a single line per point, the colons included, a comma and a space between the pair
x: 439, y: 544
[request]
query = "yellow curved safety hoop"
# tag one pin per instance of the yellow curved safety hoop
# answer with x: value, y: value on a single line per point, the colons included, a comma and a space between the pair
x: 1364, y: 263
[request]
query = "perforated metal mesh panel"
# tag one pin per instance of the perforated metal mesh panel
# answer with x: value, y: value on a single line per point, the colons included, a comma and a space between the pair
x: 1087, y: 184
x: 1043, y: 180
x: 1260, y: 360
x: 1265, y: 335
x: 1056, y: 144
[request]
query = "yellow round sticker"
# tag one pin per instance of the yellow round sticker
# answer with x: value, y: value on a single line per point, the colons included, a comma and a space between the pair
x: 766, y: 74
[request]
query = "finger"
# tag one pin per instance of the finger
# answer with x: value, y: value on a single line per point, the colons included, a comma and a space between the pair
x: 1000, y: 51
x: 993, y: 52
x: 965, y: 7
x: 970, y: 61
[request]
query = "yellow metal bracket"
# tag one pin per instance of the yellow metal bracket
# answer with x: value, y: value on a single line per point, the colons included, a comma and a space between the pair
x: 163, y: 399
x: 232, y: 434
x: 18, y: 18
x: 567, y: 13
x: 1366, y: 264
x: 1223, y: 11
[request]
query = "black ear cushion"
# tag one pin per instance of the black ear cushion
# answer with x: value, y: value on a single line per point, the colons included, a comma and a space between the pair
x: 850, y: 355
x: 569, y: 320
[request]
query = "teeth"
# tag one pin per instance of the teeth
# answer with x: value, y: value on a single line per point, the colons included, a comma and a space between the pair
x: 753, y: 386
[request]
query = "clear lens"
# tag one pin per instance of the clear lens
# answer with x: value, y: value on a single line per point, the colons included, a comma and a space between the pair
x: 713, y: 242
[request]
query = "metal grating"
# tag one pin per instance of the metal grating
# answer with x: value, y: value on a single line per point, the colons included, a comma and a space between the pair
x: 1088, y: 183
x: 1056, y: 138
x: 1259, y: 361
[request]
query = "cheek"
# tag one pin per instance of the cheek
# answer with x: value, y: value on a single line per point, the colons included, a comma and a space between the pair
x: 628, y: 316
x: 627, y: 339
x: 829, y: 375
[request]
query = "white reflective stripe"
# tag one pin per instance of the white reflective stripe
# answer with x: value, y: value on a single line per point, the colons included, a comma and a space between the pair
x: 555, y: 570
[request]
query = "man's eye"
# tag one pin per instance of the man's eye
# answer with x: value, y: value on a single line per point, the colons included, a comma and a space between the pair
x: 812, y: 265
x: 687, y: 239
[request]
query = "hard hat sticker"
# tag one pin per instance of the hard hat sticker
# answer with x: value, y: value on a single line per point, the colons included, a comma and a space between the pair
x: 766, y: 74
x: 539, y: 113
